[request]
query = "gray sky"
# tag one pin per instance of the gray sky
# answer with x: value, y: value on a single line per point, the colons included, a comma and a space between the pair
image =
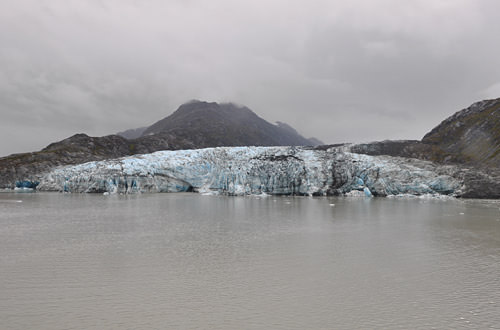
x: 342, y: 71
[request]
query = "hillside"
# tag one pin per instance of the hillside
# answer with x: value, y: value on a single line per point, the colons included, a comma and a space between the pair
x: 471, y: 135
x: 76, y: 149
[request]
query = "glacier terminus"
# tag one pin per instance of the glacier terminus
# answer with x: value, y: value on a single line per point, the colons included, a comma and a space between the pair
x: 259, y: 170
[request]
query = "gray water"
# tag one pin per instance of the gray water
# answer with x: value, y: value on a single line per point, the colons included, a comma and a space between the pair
x: 186, y: 261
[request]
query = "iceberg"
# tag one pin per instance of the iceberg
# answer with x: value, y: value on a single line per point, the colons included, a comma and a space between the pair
x: 257, y: 171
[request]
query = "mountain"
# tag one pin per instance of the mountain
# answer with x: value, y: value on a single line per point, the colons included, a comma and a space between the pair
x: 472, y: 134
x: 210, y: 124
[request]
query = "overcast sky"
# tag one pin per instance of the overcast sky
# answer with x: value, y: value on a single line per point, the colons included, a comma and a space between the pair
x: 342, y: 71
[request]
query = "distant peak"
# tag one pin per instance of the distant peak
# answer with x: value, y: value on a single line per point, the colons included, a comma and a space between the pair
x: 209, y: 124
x: 227, y: 104
x: 195, y: 104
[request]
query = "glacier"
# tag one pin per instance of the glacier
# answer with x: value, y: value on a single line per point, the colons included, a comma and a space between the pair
x: 257, y: 170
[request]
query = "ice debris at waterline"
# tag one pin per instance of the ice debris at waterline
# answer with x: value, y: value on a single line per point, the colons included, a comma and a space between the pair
x: 256, y: 170
x: 27, y: 184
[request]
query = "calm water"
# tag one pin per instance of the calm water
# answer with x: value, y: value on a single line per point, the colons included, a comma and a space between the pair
x: 186, y: 261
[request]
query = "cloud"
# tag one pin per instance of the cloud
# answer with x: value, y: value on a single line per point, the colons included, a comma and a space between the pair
x: 339, y: 70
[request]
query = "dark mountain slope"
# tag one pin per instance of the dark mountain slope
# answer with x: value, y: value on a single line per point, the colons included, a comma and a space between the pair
x: 76, y: 149
x: 133, y: 133
x: 212, y: 125
x: 80, y: 148
x: 472, y: 135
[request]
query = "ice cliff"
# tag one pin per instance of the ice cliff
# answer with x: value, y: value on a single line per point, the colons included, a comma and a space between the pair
x: 257, y: 170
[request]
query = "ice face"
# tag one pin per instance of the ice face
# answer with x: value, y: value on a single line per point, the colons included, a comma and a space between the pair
x: 255, y: 170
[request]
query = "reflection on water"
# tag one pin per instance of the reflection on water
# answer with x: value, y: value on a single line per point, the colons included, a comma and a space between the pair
x: 186, y: 261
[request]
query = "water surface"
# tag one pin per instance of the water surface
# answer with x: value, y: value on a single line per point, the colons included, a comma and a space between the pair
x: 186, y: 261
